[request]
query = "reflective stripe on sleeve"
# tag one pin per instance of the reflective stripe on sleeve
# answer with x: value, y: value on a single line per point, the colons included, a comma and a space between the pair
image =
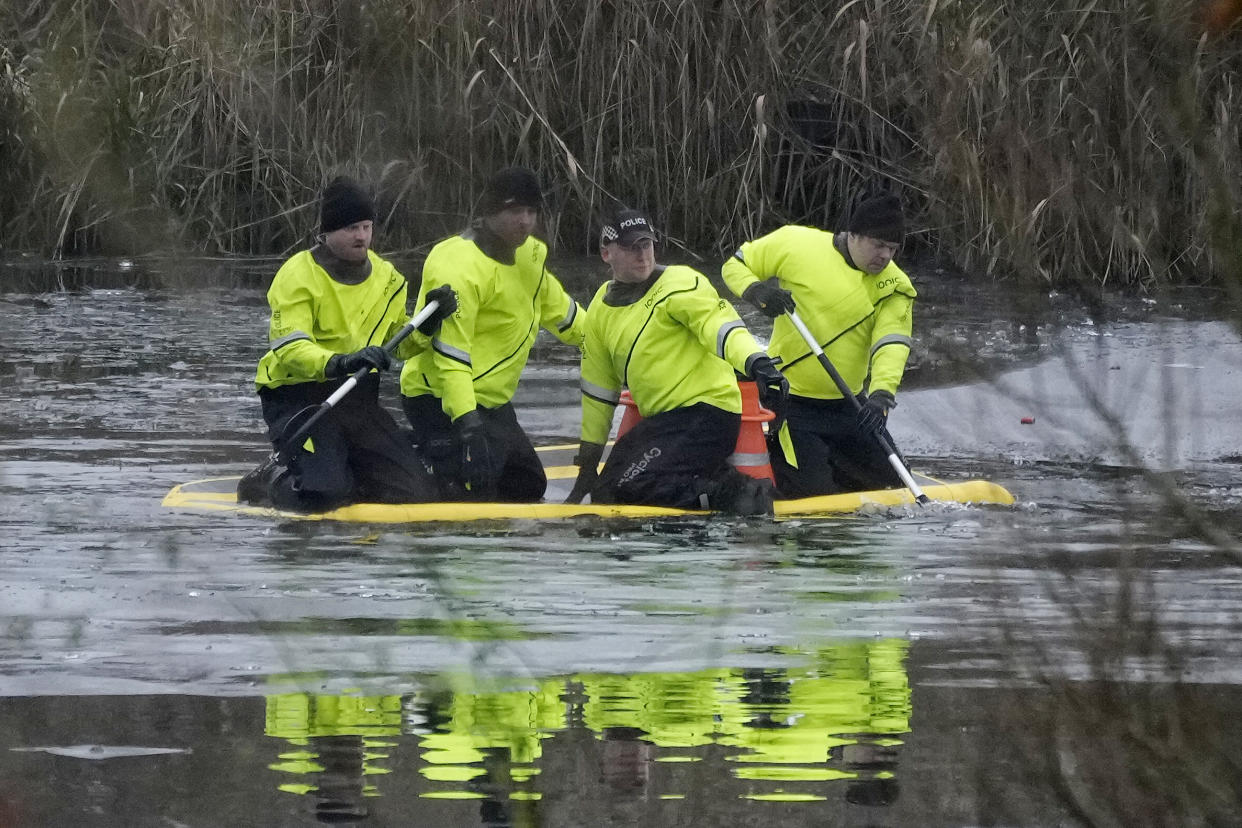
x: 723, y: 334
x: 449, y: 351
x: 566, y: 323
x: 599, y: 392
x: 285, y: 340
x: 893, y: 339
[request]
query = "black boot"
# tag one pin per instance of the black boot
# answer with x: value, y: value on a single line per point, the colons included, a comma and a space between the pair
x: 256, y: 487
x: 737, y: 494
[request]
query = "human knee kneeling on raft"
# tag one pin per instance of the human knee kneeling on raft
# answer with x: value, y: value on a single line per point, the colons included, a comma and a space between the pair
x: 458, y: 393
x: 333, y: 308
x: 858, y: 304
x: 666, y: 335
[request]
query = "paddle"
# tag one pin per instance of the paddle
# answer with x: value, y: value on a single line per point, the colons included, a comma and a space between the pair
x: 290, y: 445
x: 894, y: 460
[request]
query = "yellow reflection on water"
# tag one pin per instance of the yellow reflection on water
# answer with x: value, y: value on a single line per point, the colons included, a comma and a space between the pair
x: 786, y: 773
x: 781, y: 733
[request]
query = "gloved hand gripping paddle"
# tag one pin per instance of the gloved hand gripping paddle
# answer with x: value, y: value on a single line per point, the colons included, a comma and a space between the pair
x: 893, y: 458
x: 289, y: 446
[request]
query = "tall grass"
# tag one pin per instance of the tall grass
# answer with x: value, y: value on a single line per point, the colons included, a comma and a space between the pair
x: 1056, y: 141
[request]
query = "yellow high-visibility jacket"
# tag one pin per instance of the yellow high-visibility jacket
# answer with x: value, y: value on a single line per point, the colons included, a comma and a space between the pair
x: 314, y: 317
x: 676, y: 346
x: 478, y: 355
x: 862, y: 322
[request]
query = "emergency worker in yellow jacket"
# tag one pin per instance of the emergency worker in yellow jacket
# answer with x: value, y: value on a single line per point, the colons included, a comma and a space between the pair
x: 332, y: 308
x: 458, y: 394
x: 858, y: 303
x: 664, y: 333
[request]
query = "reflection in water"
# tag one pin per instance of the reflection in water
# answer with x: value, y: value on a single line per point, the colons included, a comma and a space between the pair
x: 874, y: 766
x: 339, y: 793
x: 341, y: 737
x: 831, y: 729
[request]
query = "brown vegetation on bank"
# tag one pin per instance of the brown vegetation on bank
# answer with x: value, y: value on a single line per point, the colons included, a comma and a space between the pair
x: 1055, y: 141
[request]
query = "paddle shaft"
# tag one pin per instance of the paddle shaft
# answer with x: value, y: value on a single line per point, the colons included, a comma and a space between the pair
x: 290, y: 444
x: 894, y: 460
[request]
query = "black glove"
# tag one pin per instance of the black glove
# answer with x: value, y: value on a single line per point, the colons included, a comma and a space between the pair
x: 874, y: 412
x: 447, y: 297
x: 372, y: 356
x: 772, y: 385
x: 588, y: 458
x: 477, y: 469
x: 769, y: 297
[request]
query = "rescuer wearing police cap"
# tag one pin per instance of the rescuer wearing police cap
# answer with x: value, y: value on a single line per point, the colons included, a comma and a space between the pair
x: 664, y: 333
x: 857, y: 303
x: 332, y: 308
x: 458, y: 394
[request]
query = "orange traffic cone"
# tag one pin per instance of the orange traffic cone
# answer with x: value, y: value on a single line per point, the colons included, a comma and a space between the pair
x: 631, y: 415
x: 750, y: 454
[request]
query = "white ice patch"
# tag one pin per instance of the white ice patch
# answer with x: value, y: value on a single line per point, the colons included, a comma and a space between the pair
x: 99, y: 751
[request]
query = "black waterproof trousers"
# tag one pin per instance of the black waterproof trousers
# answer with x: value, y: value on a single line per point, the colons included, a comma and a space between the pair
x: 830, y: 452
x: 518, y: 472
x: 354, y: 453
x: 669, y: 459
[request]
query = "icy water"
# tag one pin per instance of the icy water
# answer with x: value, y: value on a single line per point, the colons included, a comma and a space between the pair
x: 897, y: 667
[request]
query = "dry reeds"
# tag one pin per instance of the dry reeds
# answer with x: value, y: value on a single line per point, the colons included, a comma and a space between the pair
x: 1062, y: 142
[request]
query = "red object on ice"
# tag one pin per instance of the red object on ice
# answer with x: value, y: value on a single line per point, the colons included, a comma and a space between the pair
x: 1027, y: 420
